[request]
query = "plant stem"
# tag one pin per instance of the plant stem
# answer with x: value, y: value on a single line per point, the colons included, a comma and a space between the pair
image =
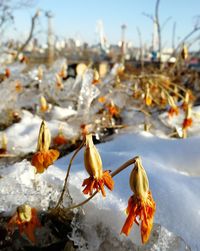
x: 67, y: 174
x: 118, y: 170
x: 124, y: 166
x: 83, y: 202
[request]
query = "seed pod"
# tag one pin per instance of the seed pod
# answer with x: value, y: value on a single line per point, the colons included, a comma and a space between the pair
x: 138, y: 180
x: 4, y: 141
x: 59, y: 83
x: 44, y: 138
x: 96, y: 77
x: 24, y: 212
x: 92, y: 159
x: 43, y: 104
x: 81, y: 68
x: 63, y: 71
x: 184, y: 52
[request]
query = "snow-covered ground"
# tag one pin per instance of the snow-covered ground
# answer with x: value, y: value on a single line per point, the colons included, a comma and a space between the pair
x: 172, y: 165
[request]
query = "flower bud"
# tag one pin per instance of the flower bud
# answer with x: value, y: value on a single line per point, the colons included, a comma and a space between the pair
x: 96, y: 77
x: 43, y: 104
x: 25, y: 213
x: 184, y: 52
x: 63, y: 71
x: 4, y: 141
x: 81, y: 68
x: 44, y: 138
x: 92, y: 159
x: 138, y: 180
x: 59, y: 83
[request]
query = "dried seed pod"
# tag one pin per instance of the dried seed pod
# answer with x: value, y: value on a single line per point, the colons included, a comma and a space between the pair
x: 44, y: 138
x: 92, y: 159
x: 43, y: 104
x: 138, y: 180
x: 24, y: 212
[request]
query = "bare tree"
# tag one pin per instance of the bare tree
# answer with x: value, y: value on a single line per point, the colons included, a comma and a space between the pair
x: 141, y: 48
x: 8, y: 8
x: 30, y: 36
x: 156, y: 20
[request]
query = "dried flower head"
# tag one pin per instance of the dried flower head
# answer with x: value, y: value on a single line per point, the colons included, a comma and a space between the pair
x: 148, y: 98
x: 96, y: 77
x: 113, y: 110
x: 4, y: 143
x: 187, y: 122
x: 173, y: 110
x: 60, y: 139
x: 43, y: 104
x: 184, y: 52
x: 63, y: 71
x: 141, y: 206
x: 44, y: 157
x: 81, y: 68
x: 7, y: 72
x: 59, y: 83
x: 26, y: 220
x: 93, y: 164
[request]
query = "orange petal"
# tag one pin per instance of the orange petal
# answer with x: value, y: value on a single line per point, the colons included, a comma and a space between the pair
x: 60, y: 140
x: 101, y: 186
x: 41, y: 160
x: 187, y: 123
x: 89, y: 183
x: 37, y: 161
x: 50, y: 156
x: 131, y: 209
x: 108, y: 181
x: 146, y: 225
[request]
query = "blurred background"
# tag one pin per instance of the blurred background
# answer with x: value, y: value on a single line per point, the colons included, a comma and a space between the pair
x: 105, y: 29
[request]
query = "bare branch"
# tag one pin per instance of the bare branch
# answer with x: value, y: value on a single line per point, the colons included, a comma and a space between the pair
x: 33, y: 20
x: 148, y: 16
x: 165, y: 23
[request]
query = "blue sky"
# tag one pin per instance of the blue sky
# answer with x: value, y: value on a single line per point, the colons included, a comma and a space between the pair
x: 78, y: 18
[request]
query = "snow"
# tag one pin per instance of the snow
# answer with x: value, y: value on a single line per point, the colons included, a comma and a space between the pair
x: 173, y: 168
x: 172, y: 165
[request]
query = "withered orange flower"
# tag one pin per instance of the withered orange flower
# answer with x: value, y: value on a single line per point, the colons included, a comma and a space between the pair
x: 7, y: 72
x: 102, y: 99
x: 112, y: 110
x: 93, y: 164
x: 18, y: 86
x: 59, y: 139
x: 63, y: 71
x: 148, y: 100
x: 144, y: 210
x: 187, y: 122
x: 4, y: 143
x: 141, y: 206
x: 59, y: 83
x: 96, y: 78
x: 42, y: 160
x: 173, y: 111
x: 44, y: 156
x: 184, y: 106
x: 26, y: 220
